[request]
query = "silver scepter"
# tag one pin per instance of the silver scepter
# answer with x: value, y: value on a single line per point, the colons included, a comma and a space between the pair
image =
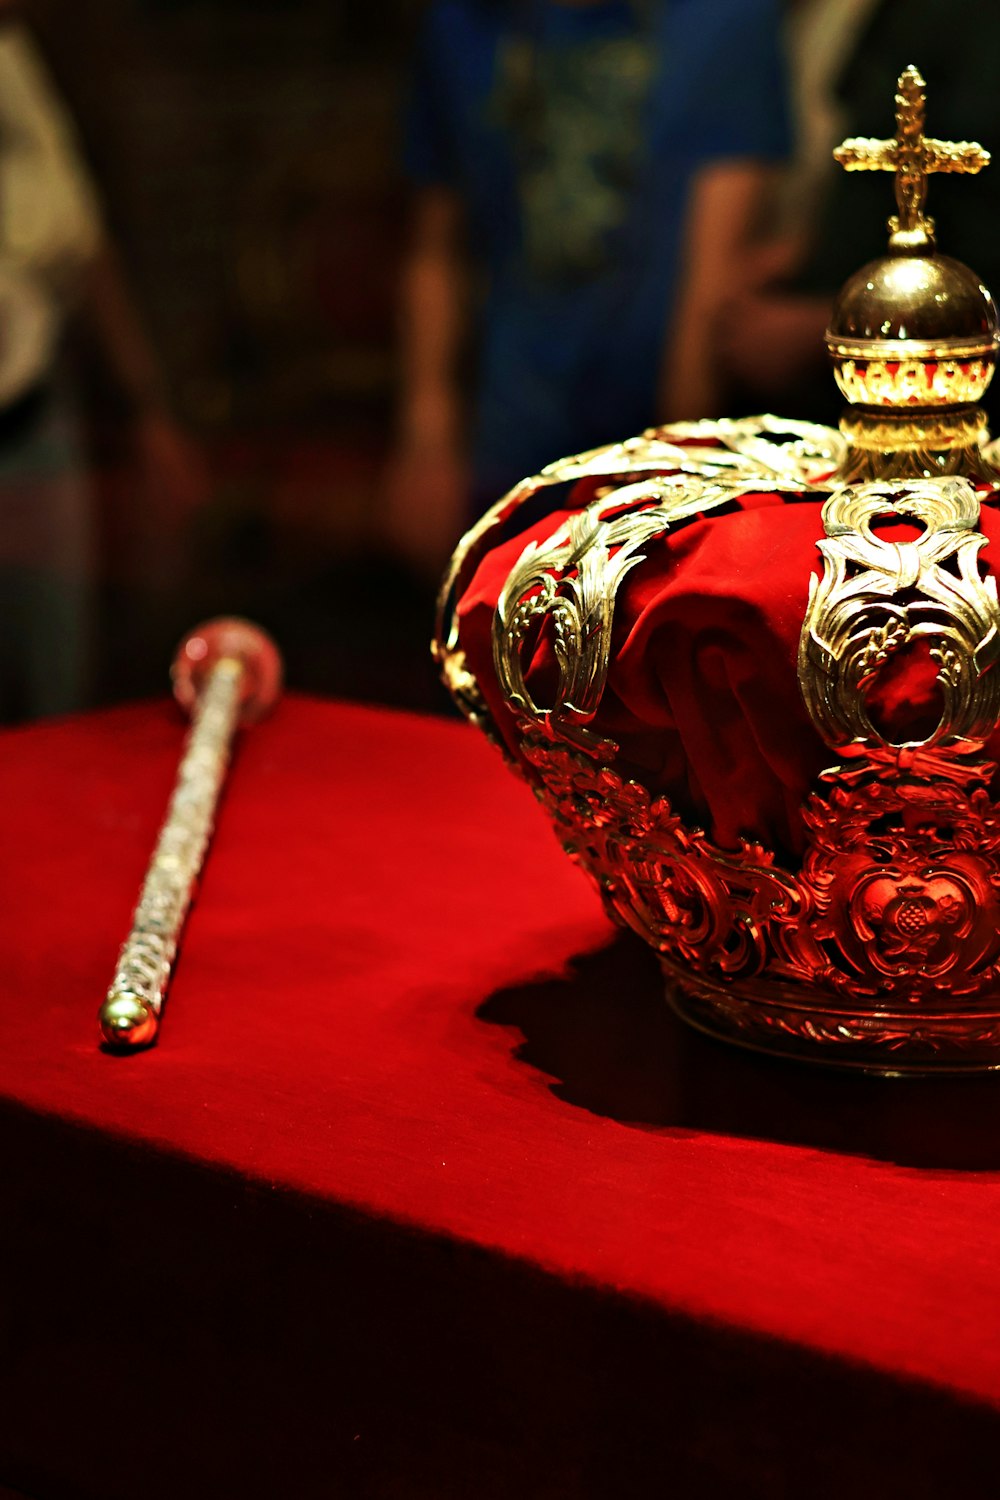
x: 226, y: 673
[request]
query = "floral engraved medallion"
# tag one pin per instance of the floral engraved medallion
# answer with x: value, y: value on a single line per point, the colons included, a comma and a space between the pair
x: 904, y: 878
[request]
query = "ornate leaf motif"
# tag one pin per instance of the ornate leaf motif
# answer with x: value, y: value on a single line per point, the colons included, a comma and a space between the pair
x: 799, y: 453
x: 573, y: 578
x: 892, y: 382
x: 876, y: 596
x: 898, y: 892
x: 691, y: 901
x: 753, y: 449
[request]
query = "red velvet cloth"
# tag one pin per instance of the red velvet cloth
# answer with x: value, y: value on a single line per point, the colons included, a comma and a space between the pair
x: 423, y: 1192
x: 703, y: 695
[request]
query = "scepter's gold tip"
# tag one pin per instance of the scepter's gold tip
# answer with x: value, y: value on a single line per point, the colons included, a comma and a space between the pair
x: 127, y: 1022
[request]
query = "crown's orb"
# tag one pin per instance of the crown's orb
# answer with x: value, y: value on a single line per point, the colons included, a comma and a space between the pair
x: 926, y: 298
x: 913, y: 330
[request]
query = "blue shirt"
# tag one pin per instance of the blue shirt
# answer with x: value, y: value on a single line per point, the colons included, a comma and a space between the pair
x: 572, y: 135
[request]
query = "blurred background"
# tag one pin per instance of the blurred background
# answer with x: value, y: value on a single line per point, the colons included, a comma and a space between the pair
x: 256, y: 224
x: 246, y: 160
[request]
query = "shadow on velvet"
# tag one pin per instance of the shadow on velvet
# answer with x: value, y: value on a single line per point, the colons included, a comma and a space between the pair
x: 610, y: 1042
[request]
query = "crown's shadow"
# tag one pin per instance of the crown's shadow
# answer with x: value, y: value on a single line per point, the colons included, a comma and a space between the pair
x: 612, y: 1045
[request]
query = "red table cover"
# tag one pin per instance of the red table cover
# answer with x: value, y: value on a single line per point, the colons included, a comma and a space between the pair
x: 423, y: 1191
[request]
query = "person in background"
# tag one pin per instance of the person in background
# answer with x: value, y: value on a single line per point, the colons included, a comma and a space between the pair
x: 58, y: 266
x: 589, y: 178
x: 846, y: 56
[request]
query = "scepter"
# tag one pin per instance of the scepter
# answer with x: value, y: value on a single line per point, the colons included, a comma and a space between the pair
x: 226, y: 674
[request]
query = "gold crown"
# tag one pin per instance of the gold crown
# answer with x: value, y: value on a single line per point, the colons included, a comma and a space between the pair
x: 880, y: 946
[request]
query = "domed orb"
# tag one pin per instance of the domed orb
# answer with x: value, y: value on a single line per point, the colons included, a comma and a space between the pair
x: 913, y: 330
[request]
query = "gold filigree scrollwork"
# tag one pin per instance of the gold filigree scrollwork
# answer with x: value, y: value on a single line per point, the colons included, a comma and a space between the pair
x: 877, y: 595
x: 801, y: 453
x: 697, y: 905
x: 901, y: 872
x: 797, y: 454
x: 886, y: 943
x: 573, y: 578
x: 895, y: 380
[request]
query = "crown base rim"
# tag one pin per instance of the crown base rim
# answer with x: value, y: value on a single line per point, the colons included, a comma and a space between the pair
x: 794, y: 1022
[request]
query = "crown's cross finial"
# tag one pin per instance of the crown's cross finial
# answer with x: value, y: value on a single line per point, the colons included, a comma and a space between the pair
x: 912, y: 156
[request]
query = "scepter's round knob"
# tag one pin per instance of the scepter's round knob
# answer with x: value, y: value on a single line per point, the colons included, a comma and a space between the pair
x: 235, y: 639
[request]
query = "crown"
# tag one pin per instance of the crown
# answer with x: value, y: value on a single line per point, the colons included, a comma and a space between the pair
x: 750, y: 669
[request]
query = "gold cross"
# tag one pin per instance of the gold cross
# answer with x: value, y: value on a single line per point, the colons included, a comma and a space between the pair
x: 912, y: 156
